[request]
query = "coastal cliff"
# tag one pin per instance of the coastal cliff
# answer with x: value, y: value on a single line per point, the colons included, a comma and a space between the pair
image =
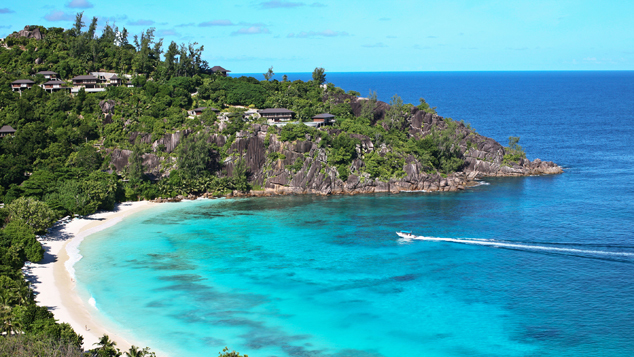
x: 302, y: 166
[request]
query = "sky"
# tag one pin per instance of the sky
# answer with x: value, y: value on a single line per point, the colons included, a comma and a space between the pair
x: 369, y: 35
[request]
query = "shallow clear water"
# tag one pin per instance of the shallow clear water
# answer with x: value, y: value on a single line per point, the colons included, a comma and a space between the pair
x: 327, y: 276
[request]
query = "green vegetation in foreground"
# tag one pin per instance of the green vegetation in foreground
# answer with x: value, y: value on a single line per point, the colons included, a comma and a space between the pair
x: 59, y: 161
x: 29, y: 345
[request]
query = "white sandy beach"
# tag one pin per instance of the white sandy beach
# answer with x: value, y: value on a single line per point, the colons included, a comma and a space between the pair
x: 53, y: 278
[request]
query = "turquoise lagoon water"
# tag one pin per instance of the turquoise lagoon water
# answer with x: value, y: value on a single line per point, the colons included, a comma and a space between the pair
x: 327, y: 276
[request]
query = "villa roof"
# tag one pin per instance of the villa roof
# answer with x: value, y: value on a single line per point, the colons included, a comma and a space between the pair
x: 55, y: 82
x: 219, y: 69
x: 46, y: 72
x: 204, y: 108
x: 114, y: 77
x: 81, y: 78
x: 275, y: 110
x: 324, y: 116
x: 23, y: 81
x: 7, y: 129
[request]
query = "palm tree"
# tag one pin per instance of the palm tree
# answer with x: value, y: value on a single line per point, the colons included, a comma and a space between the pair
x: 107, y: 348
x: 136, y: 352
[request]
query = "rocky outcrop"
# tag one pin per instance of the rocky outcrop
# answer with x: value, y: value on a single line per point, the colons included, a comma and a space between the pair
x: 119, y: 158
x: 301, y: 167
x: 151, y: 162
x: 28, y: 32
x: 169, y: 142
x: 107, y: 110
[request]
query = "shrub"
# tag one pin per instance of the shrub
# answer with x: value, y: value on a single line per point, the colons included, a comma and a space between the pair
x: 37, y: 345
x: 292, y: 132
x: 37, y: 215
x: 514, y: 152
x: 274, y: 156
x: 297, y: 165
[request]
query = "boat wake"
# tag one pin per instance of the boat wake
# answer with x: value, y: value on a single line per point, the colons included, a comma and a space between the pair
x: 527, y: 246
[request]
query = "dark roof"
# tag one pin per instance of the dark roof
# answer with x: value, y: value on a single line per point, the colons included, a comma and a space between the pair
x: 46, y: 72
x: 275, y: 110
x: 55, y: 82
x: 23, y: 81
x: 7, y: 129
x: 323, y: 116
x: 219, y: 69
x: 203, y: 108
x: 114, y: 77
x: 78, y: 78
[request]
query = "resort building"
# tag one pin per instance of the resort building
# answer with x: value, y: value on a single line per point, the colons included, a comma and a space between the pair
x: 103, y: 76
x: 129, y: 84
x: 276, y: 115
x: 199, y: 111
x: 48, y: 74
x: 6, y: 130
x: 219, y: 70
x: 324, y: 118
x: 21, y: 84
x: 90, y: 84
x: 53, y: 85
x: 113, y: 81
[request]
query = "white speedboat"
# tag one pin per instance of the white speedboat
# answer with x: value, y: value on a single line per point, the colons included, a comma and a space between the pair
x: 406, y: 234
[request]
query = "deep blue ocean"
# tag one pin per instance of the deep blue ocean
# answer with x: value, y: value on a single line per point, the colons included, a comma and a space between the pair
x: 533, y: 266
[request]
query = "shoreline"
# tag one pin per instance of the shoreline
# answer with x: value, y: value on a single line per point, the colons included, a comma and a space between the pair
x: 53, y: 281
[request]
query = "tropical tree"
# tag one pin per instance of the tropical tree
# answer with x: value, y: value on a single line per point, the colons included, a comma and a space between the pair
x: 319, y: 75
x: 269, y: 74
x: 105, y: 348
x: 139, y: 352
x: 194, y: 157
x: 34, y: 213
x: 226, y: 353
x: 135, y: 167
x: 240, y: 176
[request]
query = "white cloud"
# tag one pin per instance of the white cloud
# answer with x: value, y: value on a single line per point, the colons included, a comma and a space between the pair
x: 216, y: 23
x: 79, y: 4
x: 57, y: 15
x: 168, y: 33
x: 253, y: 30
x: 112, y: 19
x: 141, y: 23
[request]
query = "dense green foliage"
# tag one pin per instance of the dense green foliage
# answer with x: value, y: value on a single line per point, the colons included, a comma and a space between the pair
x: 37, y: 345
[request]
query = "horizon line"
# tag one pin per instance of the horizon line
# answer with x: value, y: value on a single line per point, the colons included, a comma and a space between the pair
x: 423, y: 71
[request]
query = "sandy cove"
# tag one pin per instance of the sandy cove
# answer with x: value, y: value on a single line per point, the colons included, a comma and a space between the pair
x: 53, y: 278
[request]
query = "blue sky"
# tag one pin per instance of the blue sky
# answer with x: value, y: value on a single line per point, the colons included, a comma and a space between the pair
x: 359, y: 36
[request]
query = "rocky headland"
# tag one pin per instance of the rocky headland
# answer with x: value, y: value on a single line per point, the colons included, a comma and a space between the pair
x: 483, y: 157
